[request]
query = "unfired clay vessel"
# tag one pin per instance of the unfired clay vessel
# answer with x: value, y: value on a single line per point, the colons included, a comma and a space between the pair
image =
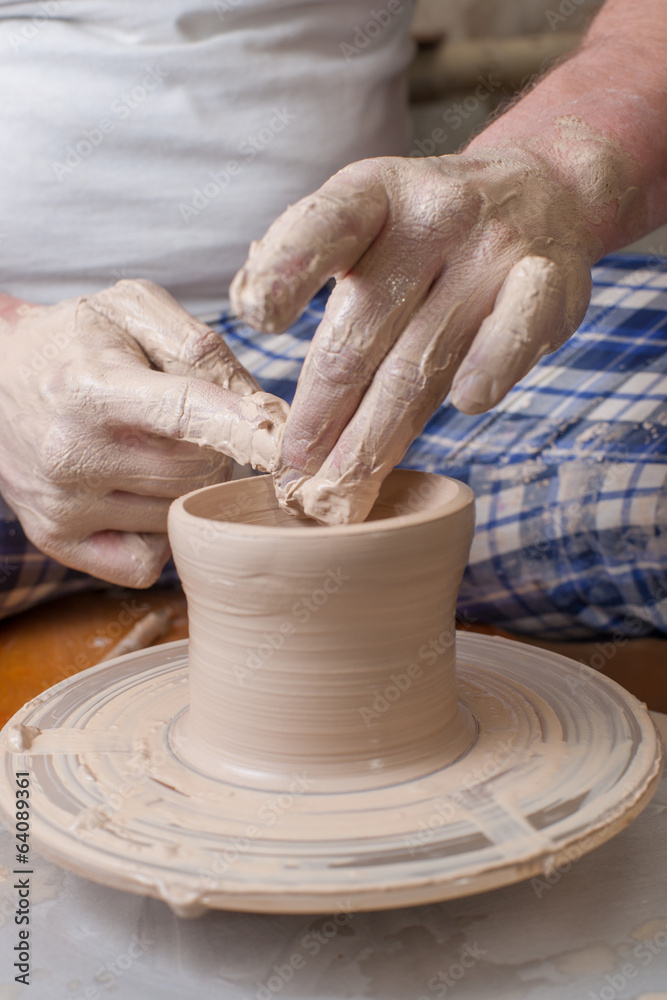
x: 305, y: 640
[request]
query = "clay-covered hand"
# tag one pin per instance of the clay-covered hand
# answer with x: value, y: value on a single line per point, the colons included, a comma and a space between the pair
x: 111, y: 406
x: 454, y: 272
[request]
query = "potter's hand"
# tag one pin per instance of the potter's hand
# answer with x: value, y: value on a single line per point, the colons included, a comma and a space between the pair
x: 456, y: 272
x: 110, y: 407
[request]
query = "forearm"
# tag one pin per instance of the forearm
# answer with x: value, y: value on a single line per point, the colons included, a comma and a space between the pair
x: 601, y: 120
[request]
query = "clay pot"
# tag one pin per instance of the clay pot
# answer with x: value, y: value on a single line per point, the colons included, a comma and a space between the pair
x: 329, y: 649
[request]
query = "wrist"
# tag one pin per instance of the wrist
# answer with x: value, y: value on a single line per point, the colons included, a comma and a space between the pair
x: 600, y: 122
x: 607, y: 193
x: 10, y: 306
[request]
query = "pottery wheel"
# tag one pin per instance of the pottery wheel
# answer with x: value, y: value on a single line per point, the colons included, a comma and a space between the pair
x: 563, y: 760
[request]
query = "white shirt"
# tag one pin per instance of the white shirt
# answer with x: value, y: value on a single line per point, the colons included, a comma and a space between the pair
x: 157, y: 138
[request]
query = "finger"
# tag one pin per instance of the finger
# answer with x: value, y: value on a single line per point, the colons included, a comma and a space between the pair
x: 152, y: 466
x: 408, y: 387
x: 172, y: 339
x: 245, y: 428
x: 123, y: 558
x: 124, y: 512
x: 356, y: 334
x: 322, y: 235
x: 528, y: 320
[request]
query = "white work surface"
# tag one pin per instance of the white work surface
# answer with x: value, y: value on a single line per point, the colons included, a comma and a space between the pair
x: 595, y: 930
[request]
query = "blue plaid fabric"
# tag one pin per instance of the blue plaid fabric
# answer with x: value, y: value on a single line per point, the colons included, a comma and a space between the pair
x: 569, y: 471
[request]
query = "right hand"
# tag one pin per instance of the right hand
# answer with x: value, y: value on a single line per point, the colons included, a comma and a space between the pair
x: 110, y: 407
x: 454, y: 272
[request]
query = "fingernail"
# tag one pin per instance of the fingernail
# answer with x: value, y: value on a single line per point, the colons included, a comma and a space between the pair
x: 473, y: 393
x: 260, y: 299
x: 287, y: 480
x: 288, y: 492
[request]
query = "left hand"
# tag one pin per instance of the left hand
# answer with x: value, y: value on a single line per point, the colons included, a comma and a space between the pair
x: 111, y: 405
x: 451, y: 271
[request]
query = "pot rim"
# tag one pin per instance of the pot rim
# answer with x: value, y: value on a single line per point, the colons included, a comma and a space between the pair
x: 461, y: 497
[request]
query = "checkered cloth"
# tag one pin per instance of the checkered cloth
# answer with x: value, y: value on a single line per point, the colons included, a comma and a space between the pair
x: 569, y: 471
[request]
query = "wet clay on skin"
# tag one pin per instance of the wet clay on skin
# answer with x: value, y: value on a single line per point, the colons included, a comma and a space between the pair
x: 456, y: 272
x: 117, y: 403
